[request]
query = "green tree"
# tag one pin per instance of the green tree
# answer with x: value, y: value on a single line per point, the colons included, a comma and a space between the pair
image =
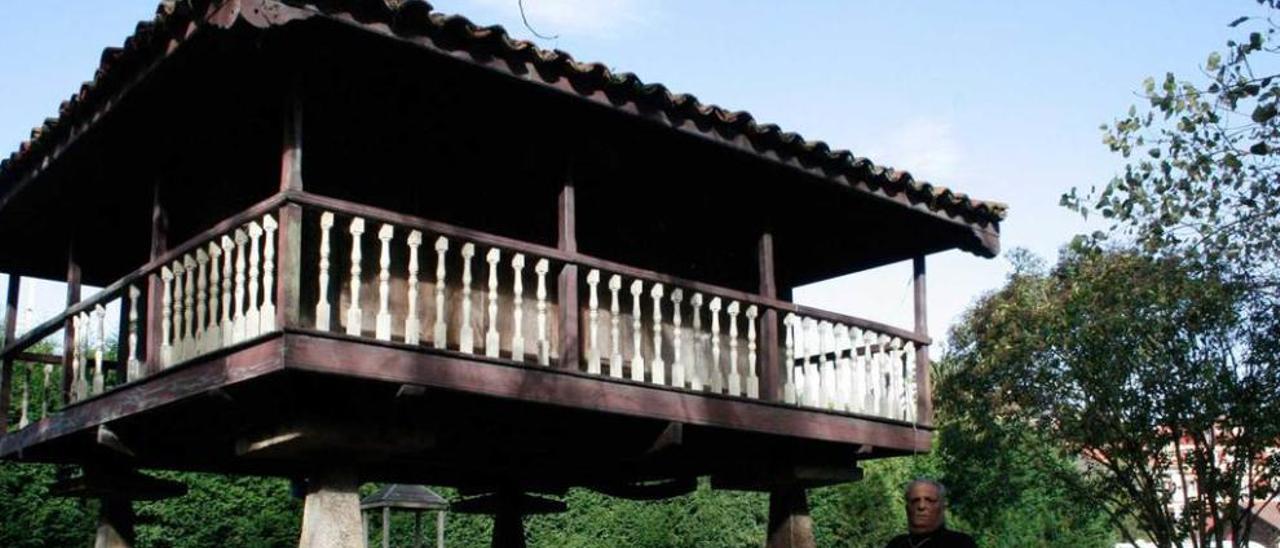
x: 1115, y: 358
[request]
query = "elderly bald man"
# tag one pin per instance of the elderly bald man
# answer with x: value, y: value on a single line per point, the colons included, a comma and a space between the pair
x: 927, y: 519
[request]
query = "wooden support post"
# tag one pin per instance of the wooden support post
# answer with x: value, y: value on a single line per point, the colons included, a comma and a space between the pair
x: 115, y: 523
x: 331, y: 512
x: 289, y: 243
x: 790, y: 525
x: 155, y: 286
x: 69, y: 334
x: 770, y: 370
x: 10, y: 331
x: 291, y: 152
x: 924, y: 385
x: 289, y: 269
x: 567, y: 293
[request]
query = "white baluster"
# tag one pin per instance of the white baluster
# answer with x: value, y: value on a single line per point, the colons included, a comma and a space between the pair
x: 179, y: 328
x: 657, y: 369
x: 858, y: 372
x: 593, y: 322
x: 99, y: 331
x: 697, y: 372
x: 544, y: 345
x: 253, y: 316
x: 267, y: 318
x: 188, y: 308
x: 491, y: 339
x: 237, y: 322
x: 202, y: 299
x: 228, y: 325
x: 24, y: 418
x: 382, y: 321
x: 213, y: 330
x: 322, y: 303
x: 677, y: 336
x: 412, y: 326
x: 716, y: 370
x: 871, y: 369
x: 44, y: 400
x: 789, y: 366
x: 637, y: 358
x: 166, y: 320
x: 827, y: 369
x: 466, y: 339
x: 77, y: 343
x: 735, y: 379
x: 615, y: 317
x: 897, y: 380
x: 812, y: 355
x: 439, y: 336
x: 844, y: 377
x: 355, y: 316
x: 133, y: 368
x: 753, y: 381
x: 909, y: 356
x: 882, y: 376
x: 517, y: 307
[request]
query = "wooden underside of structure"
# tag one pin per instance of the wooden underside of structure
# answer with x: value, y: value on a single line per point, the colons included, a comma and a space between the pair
x: 287, y: 404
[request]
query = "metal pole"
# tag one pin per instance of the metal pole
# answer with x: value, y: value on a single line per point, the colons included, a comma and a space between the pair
x: 386, y: 527
x: 439, y: 528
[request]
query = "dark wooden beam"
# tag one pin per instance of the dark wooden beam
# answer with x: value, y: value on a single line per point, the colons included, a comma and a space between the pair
x: 570, y: 354
x: 68, y: 334
x: 329, y: 353
x: 924, y: 384
x: 770, y: 370
x: 155, y: 287
x: 168, y: 386
x: 6, y: 368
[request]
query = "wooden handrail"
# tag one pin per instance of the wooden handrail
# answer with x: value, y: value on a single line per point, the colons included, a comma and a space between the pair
x: 116, y: 289
x: 383, y: 215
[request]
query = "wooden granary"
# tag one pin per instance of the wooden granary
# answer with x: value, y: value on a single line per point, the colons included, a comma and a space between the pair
x: 350, y: 241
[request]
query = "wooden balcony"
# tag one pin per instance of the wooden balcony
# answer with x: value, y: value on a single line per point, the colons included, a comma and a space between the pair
x: 307, y: 329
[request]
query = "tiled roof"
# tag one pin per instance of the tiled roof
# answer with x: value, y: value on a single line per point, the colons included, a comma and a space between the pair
x: 414, y: 20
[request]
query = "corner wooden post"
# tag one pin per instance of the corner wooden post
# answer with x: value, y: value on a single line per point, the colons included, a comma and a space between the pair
x: 567, y: 293
x: 289, y: 244
x: 770, y: 372
x: 6, y: 370
x: 68, y: 334
x: 924, y: 385
x: 155, y: 287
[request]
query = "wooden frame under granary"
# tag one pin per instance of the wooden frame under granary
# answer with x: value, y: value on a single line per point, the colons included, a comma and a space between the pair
x: 363, y: 241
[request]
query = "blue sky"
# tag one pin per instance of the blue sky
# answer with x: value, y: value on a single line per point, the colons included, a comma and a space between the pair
x: 1001, y: 100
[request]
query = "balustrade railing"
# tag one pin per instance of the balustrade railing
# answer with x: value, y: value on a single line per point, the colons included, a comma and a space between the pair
x: 474, y: 303
x: 213, y: 291
x: 635, y: 325
x: 379, y: 275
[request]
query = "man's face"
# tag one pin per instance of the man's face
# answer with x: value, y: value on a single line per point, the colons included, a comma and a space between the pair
x: 924, y: 508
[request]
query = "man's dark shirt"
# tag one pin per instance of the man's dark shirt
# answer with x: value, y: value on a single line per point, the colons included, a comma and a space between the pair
x: 939, y: 538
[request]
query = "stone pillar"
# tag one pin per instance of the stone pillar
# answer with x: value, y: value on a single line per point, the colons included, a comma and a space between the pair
x: 331, y: 512
x: 115, y: 523
x: 508, y: 527
x: 790, y: 525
